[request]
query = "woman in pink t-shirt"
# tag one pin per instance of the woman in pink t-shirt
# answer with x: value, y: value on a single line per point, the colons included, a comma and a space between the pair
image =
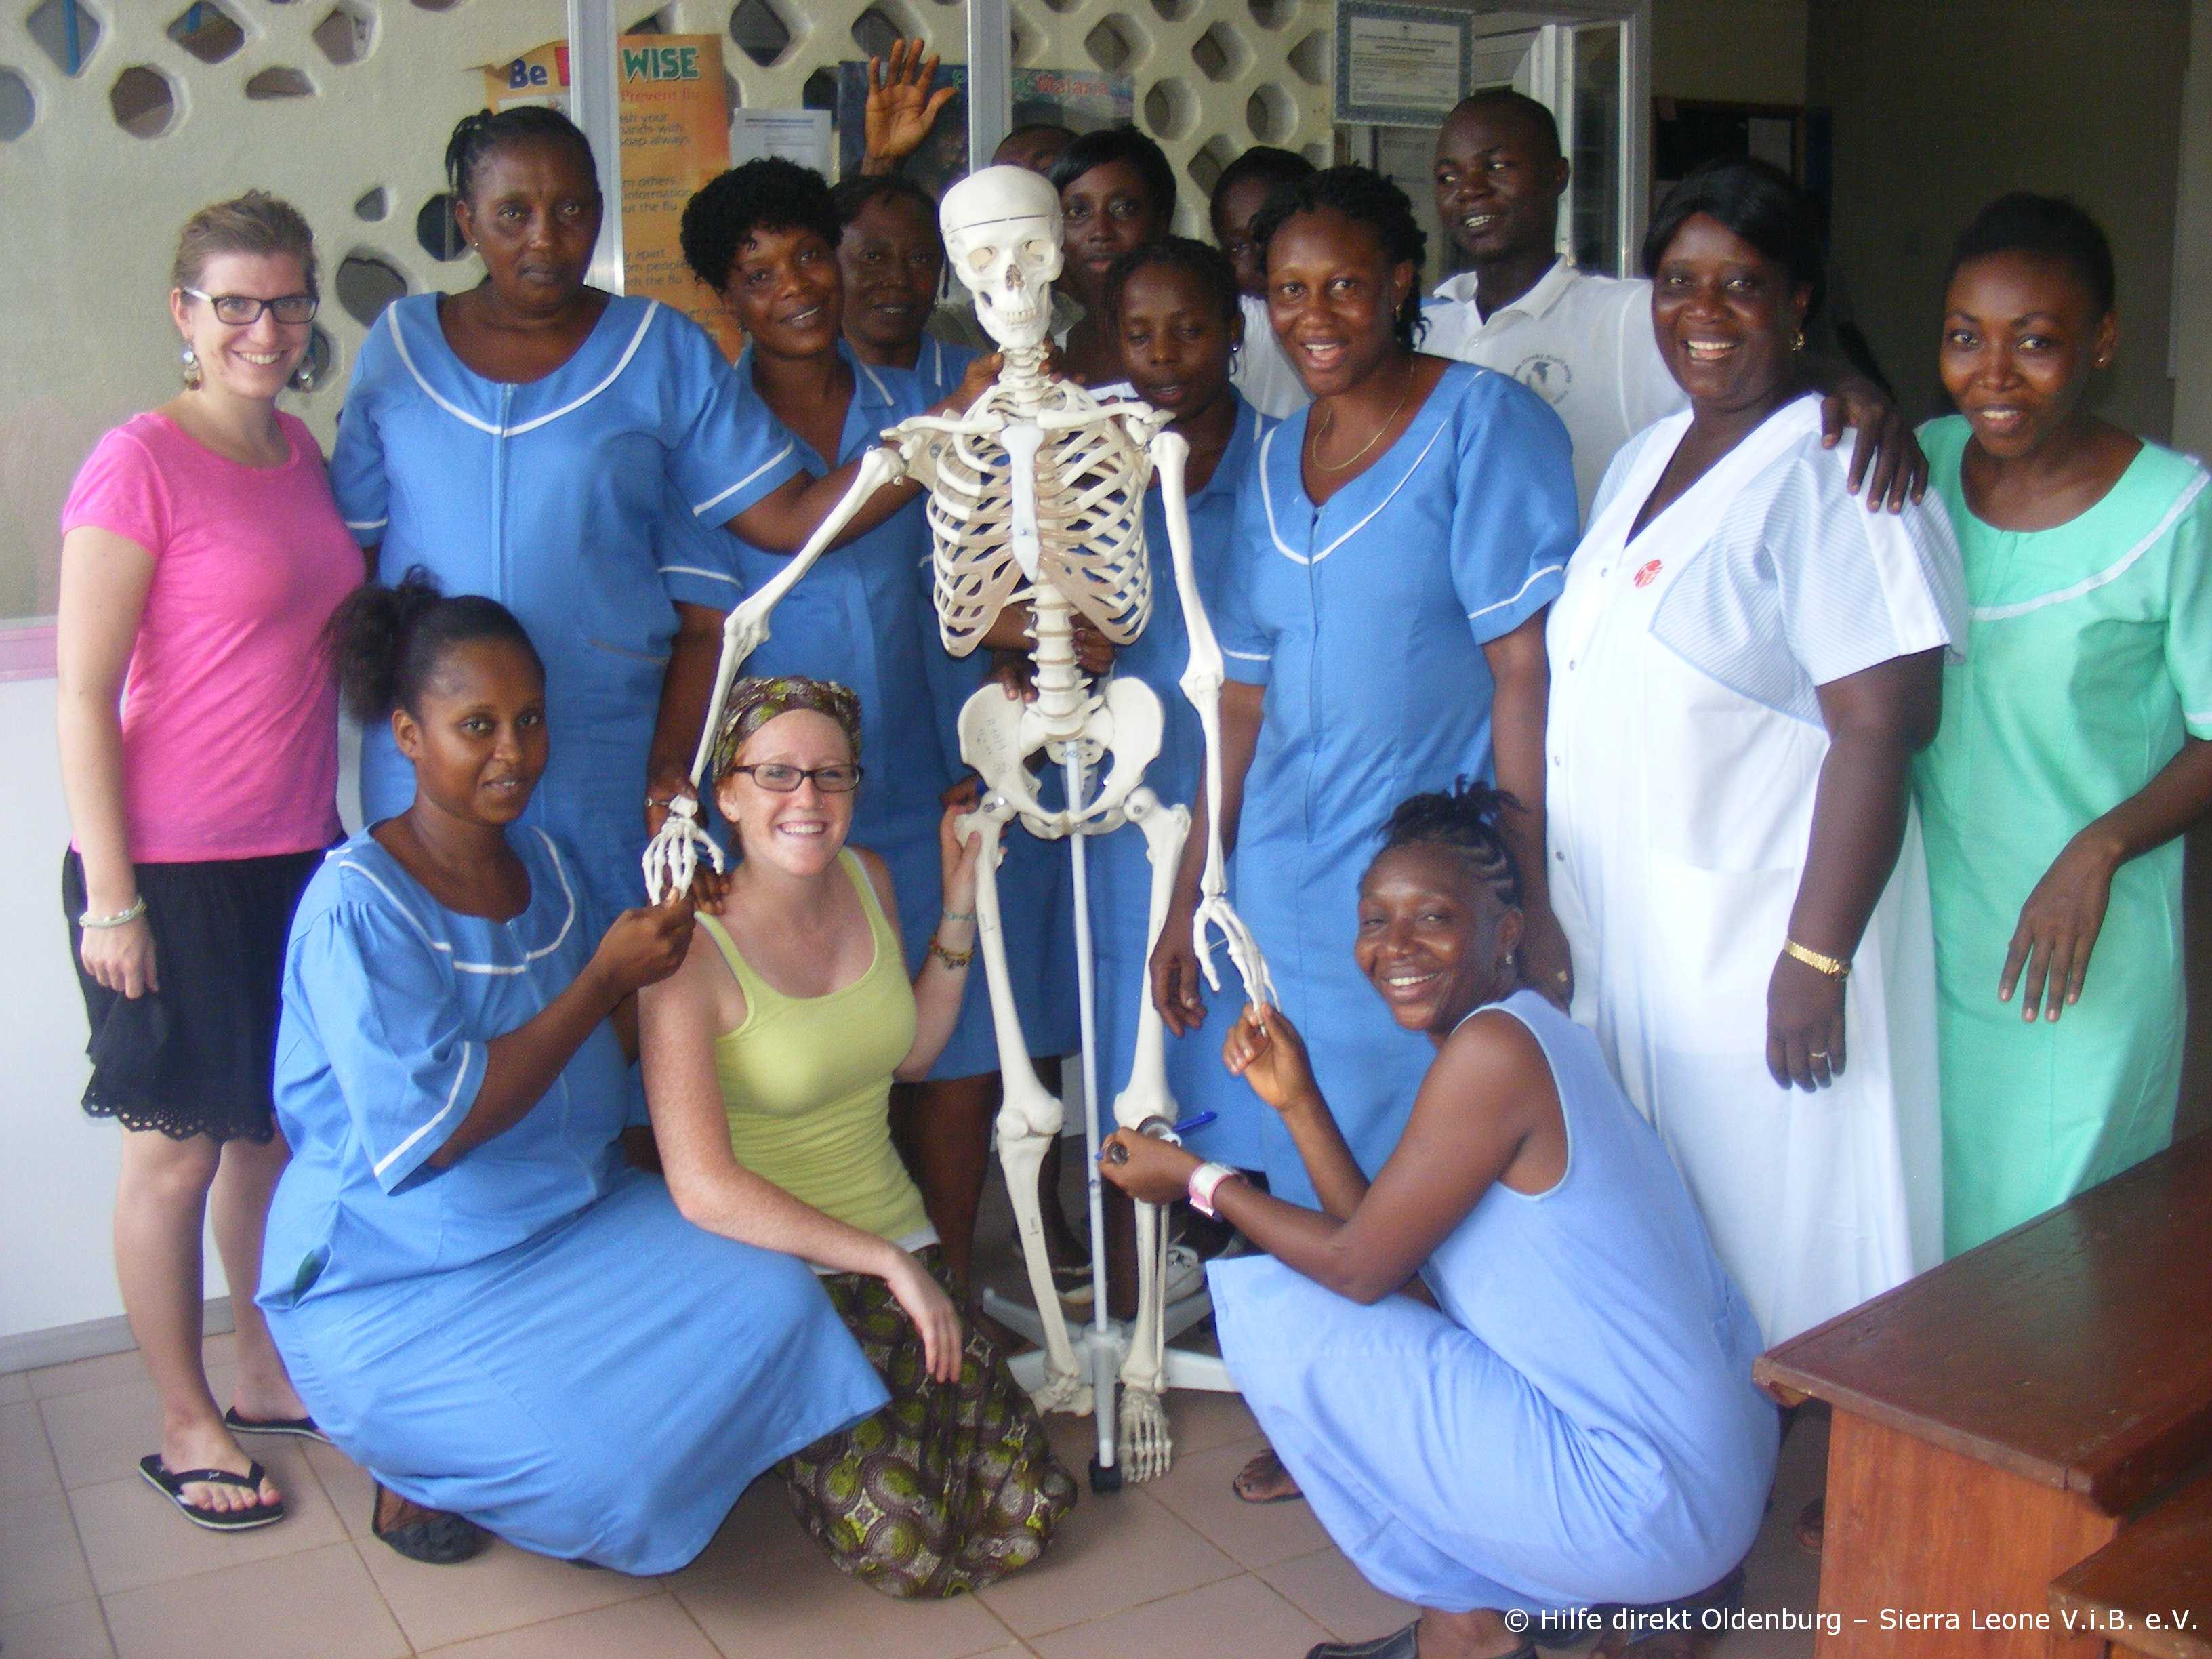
x: 202, y: 556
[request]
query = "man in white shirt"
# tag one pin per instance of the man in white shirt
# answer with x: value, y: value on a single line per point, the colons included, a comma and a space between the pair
x: 1584, y: 342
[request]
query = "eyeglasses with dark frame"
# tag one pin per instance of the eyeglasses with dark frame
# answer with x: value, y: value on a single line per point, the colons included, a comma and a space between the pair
x: 779, y: 779
x: 244, y: 310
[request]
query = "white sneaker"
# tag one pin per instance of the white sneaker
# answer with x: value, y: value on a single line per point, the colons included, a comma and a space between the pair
x: 1185, y: 1274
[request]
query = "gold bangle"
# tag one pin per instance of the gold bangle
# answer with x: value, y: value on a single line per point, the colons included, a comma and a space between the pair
x: 1833, y: 966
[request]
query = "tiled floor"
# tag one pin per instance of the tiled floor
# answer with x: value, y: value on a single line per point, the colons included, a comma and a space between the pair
x: 94, y: 1565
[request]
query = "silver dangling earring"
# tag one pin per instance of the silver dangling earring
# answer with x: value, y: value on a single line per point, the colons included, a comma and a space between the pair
x: 190, y: 359
x: 303, y: 378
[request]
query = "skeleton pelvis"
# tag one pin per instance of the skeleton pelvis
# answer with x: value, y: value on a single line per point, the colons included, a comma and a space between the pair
x: 999, y: 736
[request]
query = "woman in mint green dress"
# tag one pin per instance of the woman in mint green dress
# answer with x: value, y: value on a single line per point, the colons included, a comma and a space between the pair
x: 2073, y: 751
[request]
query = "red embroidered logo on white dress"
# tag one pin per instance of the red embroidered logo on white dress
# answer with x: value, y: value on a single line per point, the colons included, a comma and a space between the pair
x: 1643, y: 577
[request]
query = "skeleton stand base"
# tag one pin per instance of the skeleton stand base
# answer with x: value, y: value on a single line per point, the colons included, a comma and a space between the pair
x: 1100, y: 1353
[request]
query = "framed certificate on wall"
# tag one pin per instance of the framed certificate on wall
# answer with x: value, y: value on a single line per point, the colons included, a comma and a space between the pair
x: 1400, y: 66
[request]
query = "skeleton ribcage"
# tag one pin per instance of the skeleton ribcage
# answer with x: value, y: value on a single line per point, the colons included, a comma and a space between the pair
x: 1089, y: 493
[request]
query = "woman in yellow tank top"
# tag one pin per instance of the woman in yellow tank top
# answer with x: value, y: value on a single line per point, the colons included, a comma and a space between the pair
x: 769, y: 1061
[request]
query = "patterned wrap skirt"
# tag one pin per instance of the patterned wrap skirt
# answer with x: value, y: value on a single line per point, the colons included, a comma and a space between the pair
x: 951, y: 1486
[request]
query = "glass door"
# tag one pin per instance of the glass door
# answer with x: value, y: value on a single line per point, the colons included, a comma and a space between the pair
x: 1586, y: 61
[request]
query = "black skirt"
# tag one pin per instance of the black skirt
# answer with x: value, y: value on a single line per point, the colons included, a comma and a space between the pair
x: 196, y: 1057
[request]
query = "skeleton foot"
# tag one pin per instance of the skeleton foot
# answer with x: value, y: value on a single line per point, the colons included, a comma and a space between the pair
x: 1147, y: 1447
x: 672, y: 857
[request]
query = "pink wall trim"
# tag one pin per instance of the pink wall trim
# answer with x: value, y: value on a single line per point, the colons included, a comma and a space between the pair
x: 26, y: 652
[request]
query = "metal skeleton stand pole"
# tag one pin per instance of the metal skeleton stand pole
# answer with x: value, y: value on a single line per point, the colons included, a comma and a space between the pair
x: 1105, y: 1351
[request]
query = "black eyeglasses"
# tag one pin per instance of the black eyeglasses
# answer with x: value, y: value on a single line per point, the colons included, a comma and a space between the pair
x: 243, y: 310
x: 782, y: 780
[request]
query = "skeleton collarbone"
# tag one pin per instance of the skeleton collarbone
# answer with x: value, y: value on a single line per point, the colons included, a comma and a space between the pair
x: 1093, y: 465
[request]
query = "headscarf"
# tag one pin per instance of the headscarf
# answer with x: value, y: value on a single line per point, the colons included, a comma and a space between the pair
x: 757, y: 699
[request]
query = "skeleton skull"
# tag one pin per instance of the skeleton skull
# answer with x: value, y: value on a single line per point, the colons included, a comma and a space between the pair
x: 1002, y: 235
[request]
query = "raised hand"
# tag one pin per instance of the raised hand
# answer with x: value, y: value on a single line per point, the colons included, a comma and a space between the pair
x: 901, y: 108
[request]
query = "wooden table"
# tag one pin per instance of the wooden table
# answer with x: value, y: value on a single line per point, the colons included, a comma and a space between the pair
x: 1997, y: 1419
x: 2149, y: 1591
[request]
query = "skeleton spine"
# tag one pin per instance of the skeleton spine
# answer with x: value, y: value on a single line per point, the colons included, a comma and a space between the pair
x: 1062, y: 687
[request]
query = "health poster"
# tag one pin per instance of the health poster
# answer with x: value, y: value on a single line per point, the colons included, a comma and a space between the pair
x: 675, y: 137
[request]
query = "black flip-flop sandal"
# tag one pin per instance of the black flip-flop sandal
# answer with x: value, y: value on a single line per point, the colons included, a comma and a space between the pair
x: 302, y: 1428
x: 441, y: 1539
x: 172, y: 1484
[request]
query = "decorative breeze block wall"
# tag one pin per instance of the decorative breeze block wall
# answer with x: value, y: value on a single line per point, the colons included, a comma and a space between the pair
x: 119, y: 117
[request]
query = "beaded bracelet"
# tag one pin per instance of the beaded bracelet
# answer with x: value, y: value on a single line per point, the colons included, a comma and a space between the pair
x: 121, y: 917
x: 956, y: 915
x: 952, y: 959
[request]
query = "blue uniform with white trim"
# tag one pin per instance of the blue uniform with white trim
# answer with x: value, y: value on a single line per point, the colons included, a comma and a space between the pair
x: 1573, y: 1424
x: 1120, y: 873
x: 550, y: 496
x: 939, y: 365
x: 1364, y: 620
x: 860, y: 618
x: 533, y: 1336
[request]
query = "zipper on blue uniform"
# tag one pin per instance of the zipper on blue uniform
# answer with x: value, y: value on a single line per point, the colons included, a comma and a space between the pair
x: 1313, y: 665
x: 499, y: 492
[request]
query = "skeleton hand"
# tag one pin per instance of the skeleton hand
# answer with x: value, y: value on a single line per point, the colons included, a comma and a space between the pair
x: 1243, y: 950
x: 672, y: 857
x: 706, y: 886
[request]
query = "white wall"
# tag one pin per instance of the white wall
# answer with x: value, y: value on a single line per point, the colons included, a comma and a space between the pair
x: 57, y: 1176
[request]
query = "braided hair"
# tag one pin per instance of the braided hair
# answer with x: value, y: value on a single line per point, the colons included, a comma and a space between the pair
x: 1470, y: 820
x: 475, y: 137
x: 1366, y: 198
x: 388, y: 642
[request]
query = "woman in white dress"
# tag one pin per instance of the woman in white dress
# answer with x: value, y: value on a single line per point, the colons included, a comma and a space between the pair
x: 1743, y: 662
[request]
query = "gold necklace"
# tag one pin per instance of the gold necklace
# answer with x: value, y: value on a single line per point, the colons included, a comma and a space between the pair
x: 1313, y: 438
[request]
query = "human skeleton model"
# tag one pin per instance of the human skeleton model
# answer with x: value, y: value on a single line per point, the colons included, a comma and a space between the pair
x: 1037, y: 494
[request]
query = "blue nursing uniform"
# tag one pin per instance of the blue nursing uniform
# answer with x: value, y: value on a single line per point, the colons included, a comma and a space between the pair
x: 531, y: 1337
x: 859, y: 617
x: 1036, y: 913
x: 1120, y: 873
x: 1573, y: 1424
x: 549, y: 496
x: 939, y: 365
x: 1364, y: 621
